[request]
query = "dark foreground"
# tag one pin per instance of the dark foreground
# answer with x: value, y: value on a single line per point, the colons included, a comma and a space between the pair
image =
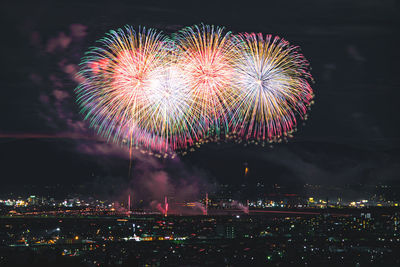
x: 273, y: 239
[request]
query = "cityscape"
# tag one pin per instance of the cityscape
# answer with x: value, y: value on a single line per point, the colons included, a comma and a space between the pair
x: 281, y: 229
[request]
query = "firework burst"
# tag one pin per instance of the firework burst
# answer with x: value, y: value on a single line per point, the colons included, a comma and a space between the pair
x: 271, y: 79
x: 132, y: 94
x: 205, y: 54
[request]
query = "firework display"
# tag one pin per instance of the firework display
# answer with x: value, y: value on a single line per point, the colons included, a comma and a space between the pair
x: 164, y: 94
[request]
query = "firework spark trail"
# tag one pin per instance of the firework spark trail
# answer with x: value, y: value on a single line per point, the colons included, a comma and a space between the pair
x: 149, y: 91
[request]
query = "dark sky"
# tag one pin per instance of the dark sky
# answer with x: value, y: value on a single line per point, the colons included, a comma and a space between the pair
x: 351, y: 136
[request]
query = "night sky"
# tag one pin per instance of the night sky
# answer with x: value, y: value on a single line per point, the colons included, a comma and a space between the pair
x: 351, y: 136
